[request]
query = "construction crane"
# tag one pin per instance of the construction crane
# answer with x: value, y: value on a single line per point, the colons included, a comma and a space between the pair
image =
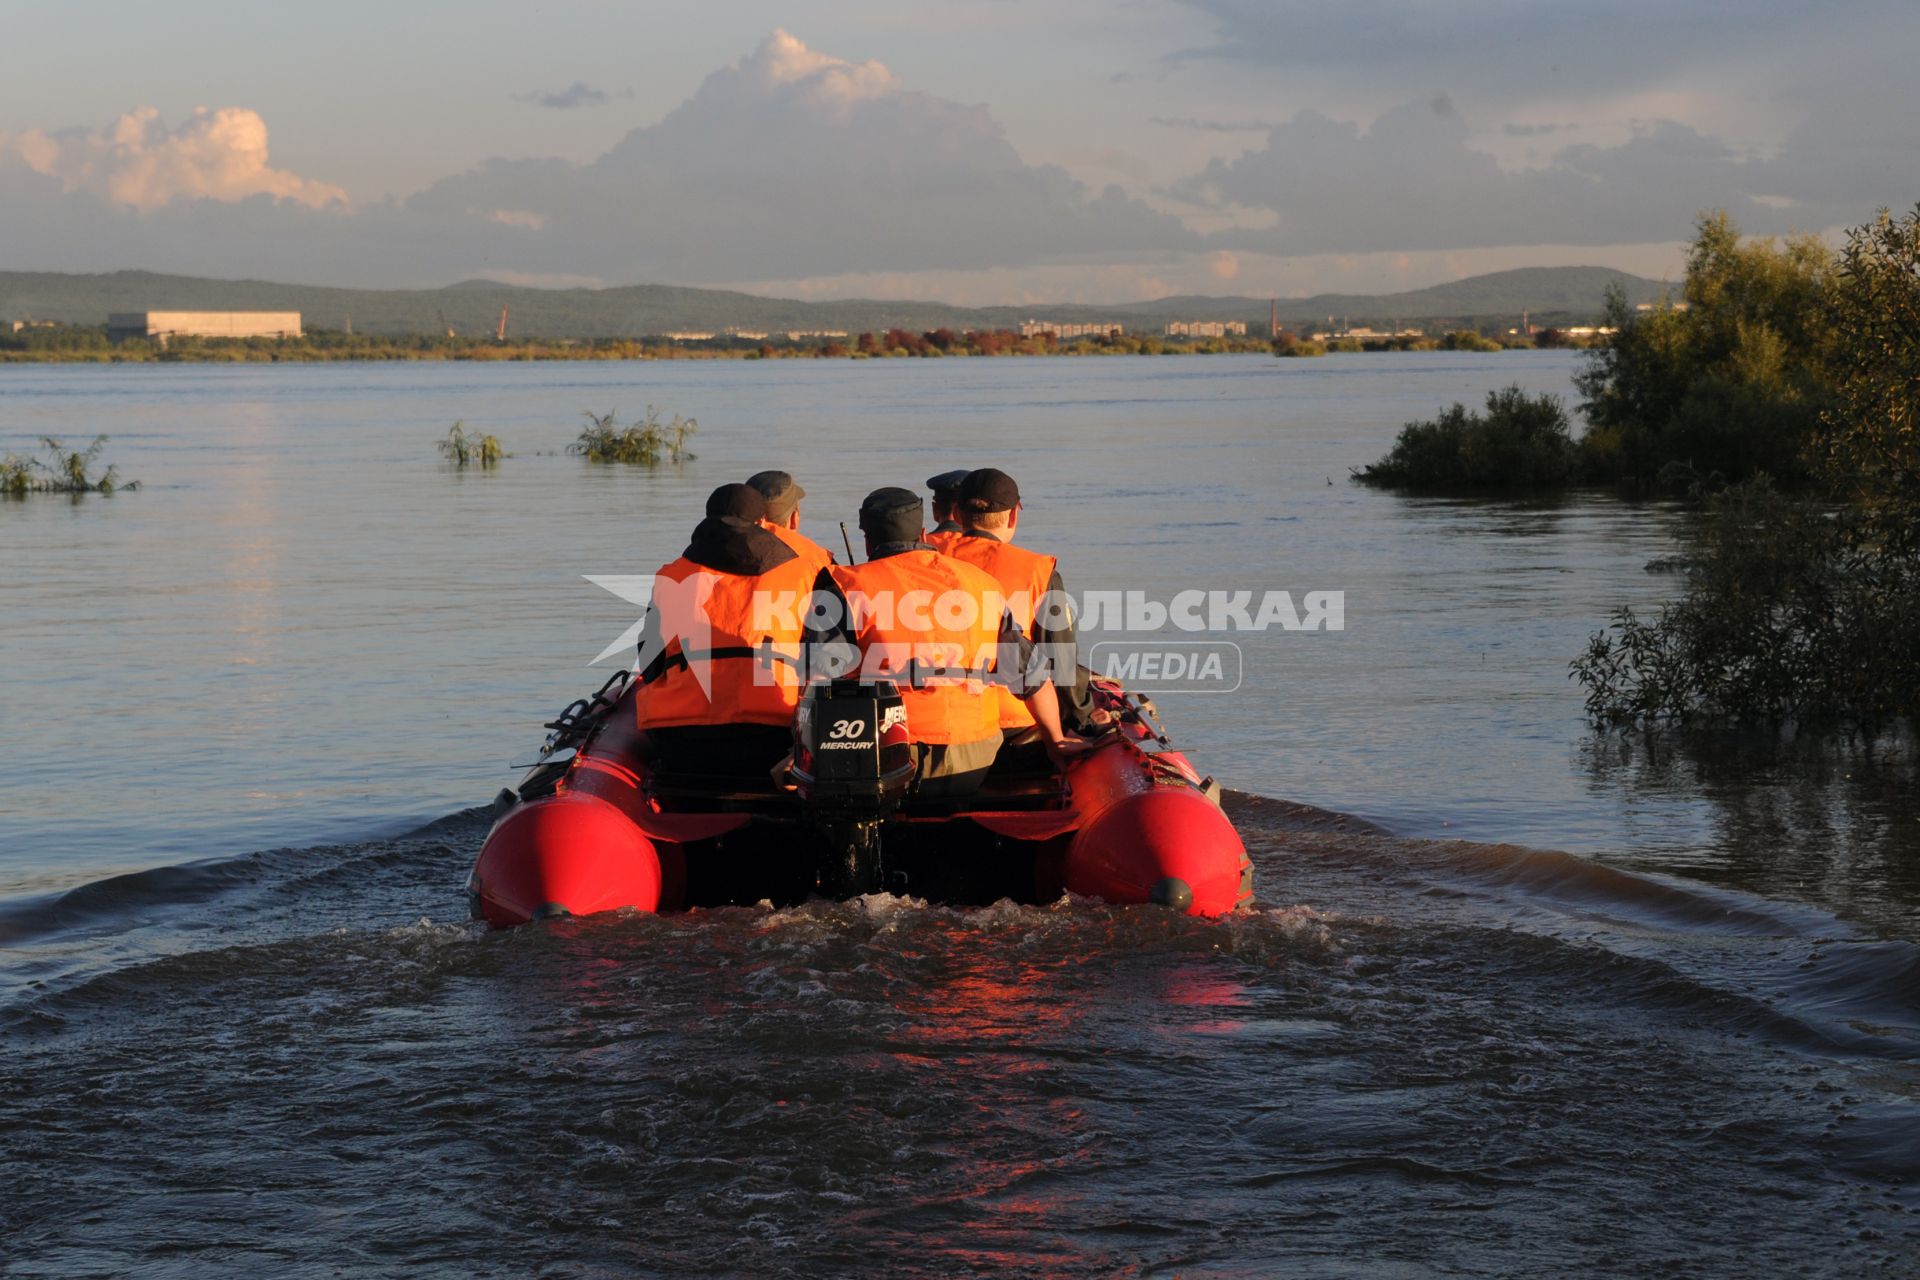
x: 500, y: 334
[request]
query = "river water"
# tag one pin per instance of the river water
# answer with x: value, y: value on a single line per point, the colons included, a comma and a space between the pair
x: 1516, y: 998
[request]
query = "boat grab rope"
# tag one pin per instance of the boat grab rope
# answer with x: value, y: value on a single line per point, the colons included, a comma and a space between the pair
x: 579, y: 718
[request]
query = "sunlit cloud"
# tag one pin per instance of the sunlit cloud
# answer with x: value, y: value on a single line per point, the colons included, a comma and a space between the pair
x: 140, y: 162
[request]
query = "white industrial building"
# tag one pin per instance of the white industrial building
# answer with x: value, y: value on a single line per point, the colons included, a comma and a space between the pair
x: 158, y: 326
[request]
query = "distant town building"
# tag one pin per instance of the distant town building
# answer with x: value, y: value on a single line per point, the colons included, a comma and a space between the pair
x: 688, y: 336
x: 17, y: 325
x: 795, y: 335
x: 1655, y: 306
x: 158, y: 326
x: 1054, y: 328
x: 1207, y: 329
x: 1364, y: 334
x: 751, y: 335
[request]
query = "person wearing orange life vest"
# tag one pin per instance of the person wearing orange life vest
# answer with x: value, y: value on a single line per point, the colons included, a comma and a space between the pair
x: 718, y: 676
x: 938, y: 627
x: 783, y: 496
x: 987, y: 506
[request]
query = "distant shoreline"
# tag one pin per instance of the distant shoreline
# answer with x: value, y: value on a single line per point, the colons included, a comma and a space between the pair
x: 436, y: 350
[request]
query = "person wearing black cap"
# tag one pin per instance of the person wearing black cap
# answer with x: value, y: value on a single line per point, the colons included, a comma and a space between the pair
x: 939, y: 628
x: 946, y: 488
x: 783, y: 494
x: 988, y: 506
x: 718, y: 679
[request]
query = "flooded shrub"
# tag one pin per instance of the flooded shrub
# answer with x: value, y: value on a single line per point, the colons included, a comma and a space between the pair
x: 1797, y: 610
x: 646, y: 443
x: 60, y: 470
x: 470, y: 450
x: 1787, y: 616
x: 1521, y: 442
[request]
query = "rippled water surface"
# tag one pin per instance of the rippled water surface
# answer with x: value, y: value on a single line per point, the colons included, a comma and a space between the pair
x: 244, y: 1025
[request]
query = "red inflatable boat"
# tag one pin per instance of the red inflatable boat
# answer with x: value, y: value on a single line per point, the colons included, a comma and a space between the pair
x: 599, y: 825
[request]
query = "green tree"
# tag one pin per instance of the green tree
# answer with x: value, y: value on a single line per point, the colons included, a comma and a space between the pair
x: 1731, y: 380
x: 1872, y: 427
x: 1799, y: 609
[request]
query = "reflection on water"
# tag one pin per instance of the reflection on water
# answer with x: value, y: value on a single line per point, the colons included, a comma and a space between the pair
x: 1803, y: 816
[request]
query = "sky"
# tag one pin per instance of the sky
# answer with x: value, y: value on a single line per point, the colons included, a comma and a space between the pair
x: 978, y: 151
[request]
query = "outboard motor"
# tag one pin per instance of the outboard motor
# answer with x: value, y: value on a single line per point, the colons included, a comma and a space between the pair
x: 852, y: 762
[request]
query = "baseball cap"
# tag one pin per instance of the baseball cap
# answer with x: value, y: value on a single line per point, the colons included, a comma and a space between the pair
x: 737, y: 500
x: 989, y: 489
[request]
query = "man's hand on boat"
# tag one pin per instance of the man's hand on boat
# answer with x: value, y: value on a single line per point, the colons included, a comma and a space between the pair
x: 1066, y: 747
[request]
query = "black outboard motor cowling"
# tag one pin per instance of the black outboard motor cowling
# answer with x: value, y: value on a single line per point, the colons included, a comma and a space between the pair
x: 851, y: 749
x: 852, y: 762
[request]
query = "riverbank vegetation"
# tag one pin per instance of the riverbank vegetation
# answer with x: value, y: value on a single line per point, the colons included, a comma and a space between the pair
x: 1293, y: 345
x: 646, y: 443
x: 73, y: 344
x: 59, y: 470
x: 1727, y: 382
x: 1799, y: 607
x: 82, y: 344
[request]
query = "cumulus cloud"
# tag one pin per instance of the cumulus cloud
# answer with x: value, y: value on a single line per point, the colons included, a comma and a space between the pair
x: 793, y: 162
x: 789, y: 163
x: 140, y: 162
x: 794, y: 165
x: 574, y: 96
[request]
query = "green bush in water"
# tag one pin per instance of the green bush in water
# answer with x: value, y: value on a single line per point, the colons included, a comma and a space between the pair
x: 1521, y: 442
x: 1787, y: 616
x: 63, y: 470
x: 646, y: 443
x: 464, y: 450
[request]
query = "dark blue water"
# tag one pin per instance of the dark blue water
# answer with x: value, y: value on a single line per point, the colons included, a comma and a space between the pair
x: 244, y: 1025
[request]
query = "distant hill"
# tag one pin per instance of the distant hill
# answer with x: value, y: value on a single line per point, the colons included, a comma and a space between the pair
x: 473, y: 306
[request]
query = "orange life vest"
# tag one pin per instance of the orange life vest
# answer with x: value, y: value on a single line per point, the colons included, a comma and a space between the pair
x: 1023, y: 576
x: 738, y: 634
x: 800, y: 544
x: 939, y: 666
